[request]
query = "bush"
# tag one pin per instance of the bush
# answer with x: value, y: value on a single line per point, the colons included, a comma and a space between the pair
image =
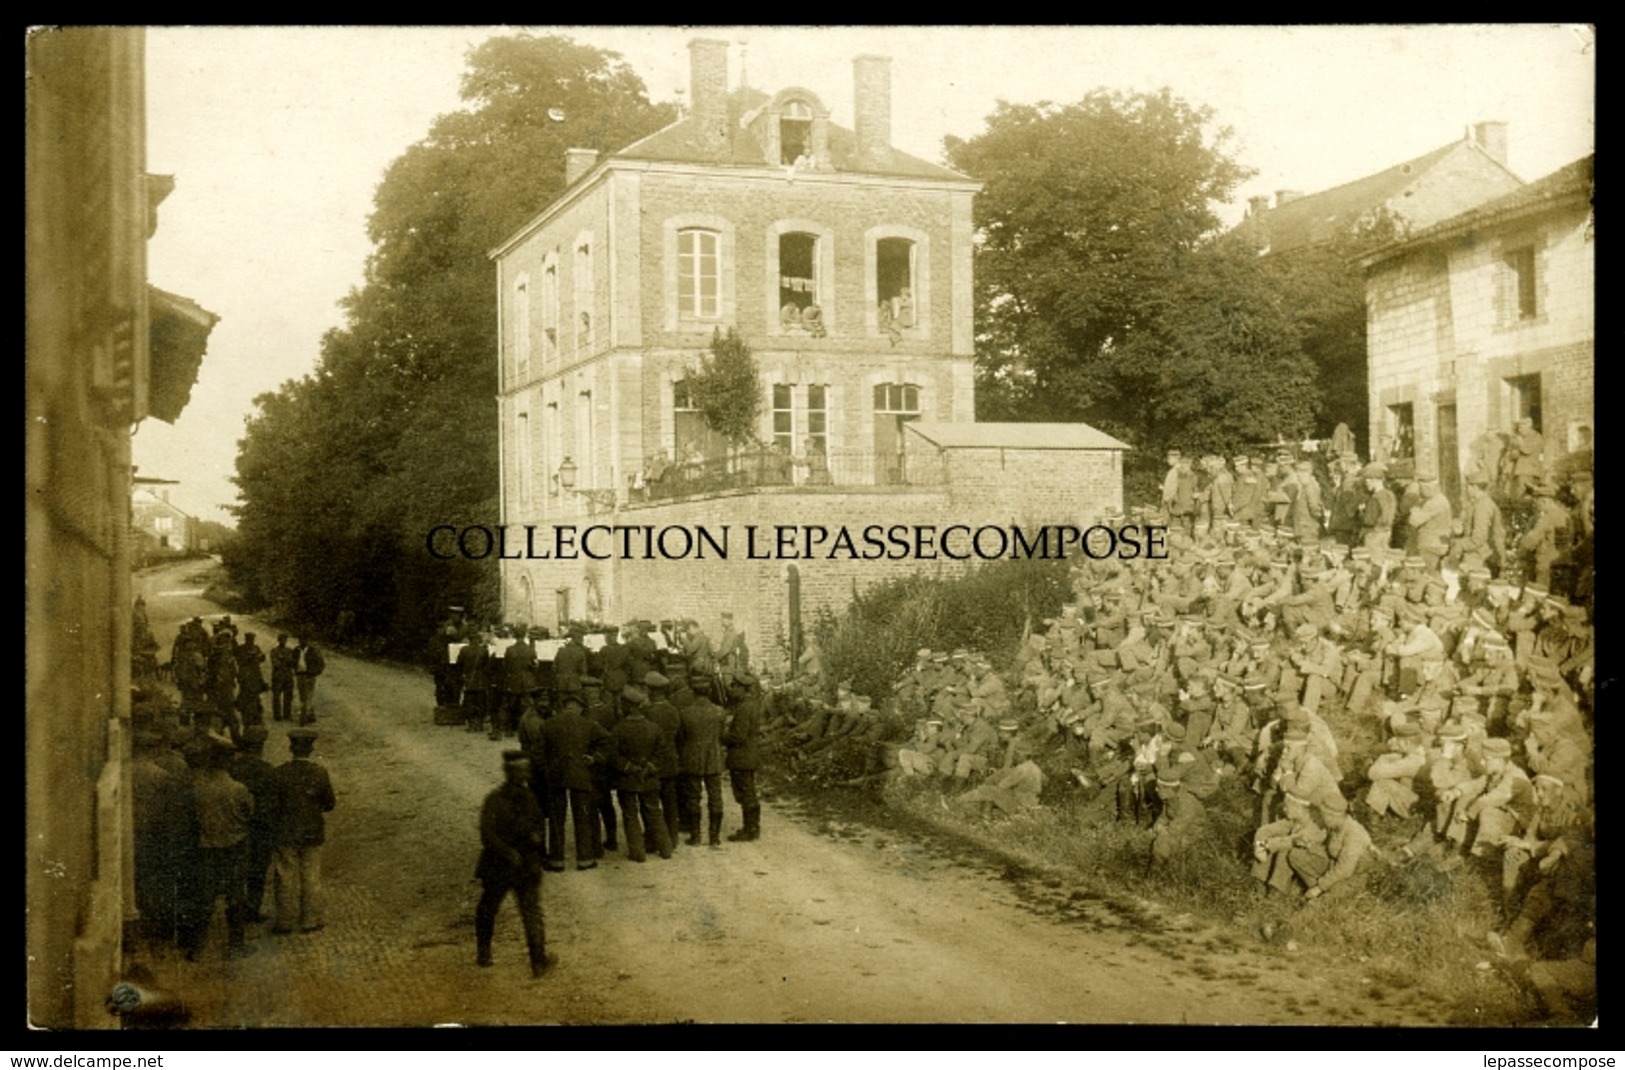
x: 988, y: 609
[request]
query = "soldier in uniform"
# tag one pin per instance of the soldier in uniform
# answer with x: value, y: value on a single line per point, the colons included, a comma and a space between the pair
x: 740, y: 736
x: 572, y: 743
x: 731, y: 653
x: 636, y: 743
x: 1430, y: 521
x: 282, y: 658
x: 1347, y: 843
x: 699, y: 756
x: 665, y: 717
x: 1540, y: 548
x: 511, y: 854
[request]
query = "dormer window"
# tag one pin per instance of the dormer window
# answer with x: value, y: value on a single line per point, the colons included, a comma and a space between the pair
x: 795, y: 132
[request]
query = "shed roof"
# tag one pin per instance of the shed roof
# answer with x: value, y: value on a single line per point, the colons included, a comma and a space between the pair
x: 1075, y: 436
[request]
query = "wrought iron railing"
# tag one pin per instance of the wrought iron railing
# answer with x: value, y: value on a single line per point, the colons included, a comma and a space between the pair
x: 753, y: 468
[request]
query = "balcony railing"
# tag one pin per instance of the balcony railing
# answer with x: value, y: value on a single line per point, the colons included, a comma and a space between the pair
x: 753, y: 468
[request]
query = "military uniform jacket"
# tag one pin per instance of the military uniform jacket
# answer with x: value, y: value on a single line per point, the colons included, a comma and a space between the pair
x: 519, y: 668
x: 302, y: 793
x: 641, y: 654
x: 282, y: 659
x: 616, y: 662
x: 740, y: 737
x: 699, y: 738
x: 1431, y: 521
x: 637, y: 743
x: 569, y: 666
x: 568, y: 740
x: 511, y: 833
x: 475, y: 660
x: 664, y: 715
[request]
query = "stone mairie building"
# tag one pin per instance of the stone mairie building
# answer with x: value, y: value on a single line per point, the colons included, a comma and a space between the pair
x: 846, y: 266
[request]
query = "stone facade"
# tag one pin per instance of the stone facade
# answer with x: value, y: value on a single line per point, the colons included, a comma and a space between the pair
x: 1483, y: 319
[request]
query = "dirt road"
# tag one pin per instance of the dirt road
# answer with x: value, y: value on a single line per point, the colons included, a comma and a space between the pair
x: 817, y: 921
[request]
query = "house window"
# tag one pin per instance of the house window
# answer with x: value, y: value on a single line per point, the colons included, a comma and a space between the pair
x: 1401, y: 431
x: 818, y: 420
x: 795, y: 132
x: 895, y: 405
x: 1524, y: 399
x: 552, y: 444
x: 583, y: 297
x: 799, y: 306
x: 699, y: 273
x: 521, y: 330
x: 894, y: 282
x: 695, y: 444
x: 584, y: 454
x: 784, y: 422
x: 1521, y: 276
x: 525, y: 470
x: 550, y: 313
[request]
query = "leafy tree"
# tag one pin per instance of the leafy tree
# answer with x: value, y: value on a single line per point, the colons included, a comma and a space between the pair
x: 343, y: 473
x: 1217, y: 363
x: 727, y: 388
x: 1324, y: 286
x: 1088, y: 211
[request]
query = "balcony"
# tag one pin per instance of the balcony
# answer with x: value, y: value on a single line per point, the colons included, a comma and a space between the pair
x: 752, y: 469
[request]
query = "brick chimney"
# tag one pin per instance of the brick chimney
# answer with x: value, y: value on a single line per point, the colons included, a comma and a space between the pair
x: 1257, y: 206
x: 578, y: 162
x: 1492, y: 138
x: 1287, y: 196
x: 708, y: 92
x: 871, y: 105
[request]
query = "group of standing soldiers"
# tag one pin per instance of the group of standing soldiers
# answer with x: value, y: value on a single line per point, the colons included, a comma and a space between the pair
x: 221, y: 679
x: 1379, y: 506
x: 655, y: 723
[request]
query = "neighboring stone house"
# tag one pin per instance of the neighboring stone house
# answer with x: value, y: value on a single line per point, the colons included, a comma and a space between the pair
x: 844, y: 264
x: 1414, y: 194
x: 1483, y: 319
x: 161, y: 528
x: 104, y: 351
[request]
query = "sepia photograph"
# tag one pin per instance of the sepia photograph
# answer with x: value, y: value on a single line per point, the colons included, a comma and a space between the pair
x: 590, y: 525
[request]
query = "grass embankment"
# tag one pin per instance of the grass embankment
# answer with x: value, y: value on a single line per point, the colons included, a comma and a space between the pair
x: 1415, y: 932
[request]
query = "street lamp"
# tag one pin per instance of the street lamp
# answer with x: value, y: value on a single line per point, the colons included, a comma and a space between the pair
x: 566, y: 477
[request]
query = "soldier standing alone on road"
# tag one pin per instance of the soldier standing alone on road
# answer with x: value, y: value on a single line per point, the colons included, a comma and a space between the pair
x: 511, y: 853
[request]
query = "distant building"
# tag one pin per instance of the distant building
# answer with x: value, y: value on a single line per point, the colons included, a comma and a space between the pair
x: 161, y: 528
x: 104, y: 351
x: 1483, y: 319
x: 1415, y: 194
x: 845, y: 265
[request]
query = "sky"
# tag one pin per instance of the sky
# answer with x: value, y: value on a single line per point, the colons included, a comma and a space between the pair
x: 277, y: 138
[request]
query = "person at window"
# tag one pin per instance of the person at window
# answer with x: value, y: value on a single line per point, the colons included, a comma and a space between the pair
x: 1528, y: 453
x: 814, y: 461
x: 693, y: 465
